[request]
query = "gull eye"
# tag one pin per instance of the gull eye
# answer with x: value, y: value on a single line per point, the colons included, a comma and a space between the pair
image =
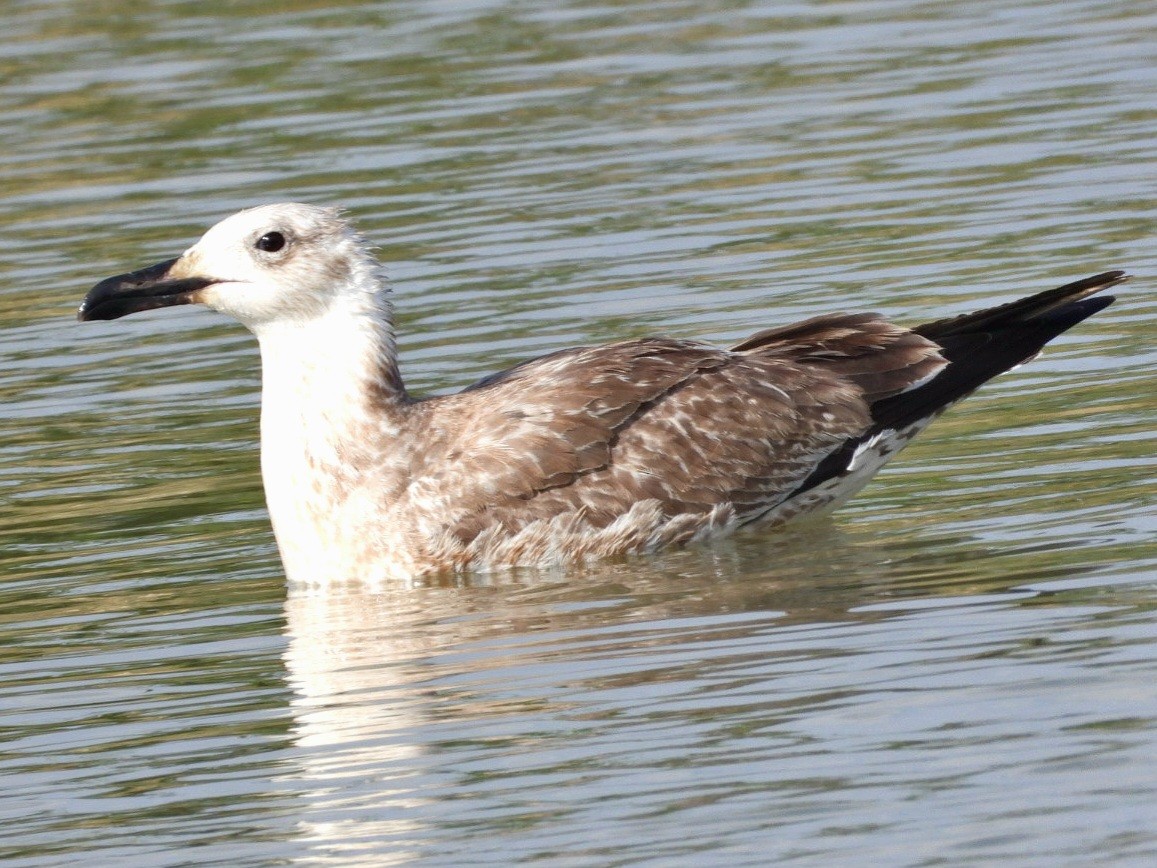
x: 270, y: 242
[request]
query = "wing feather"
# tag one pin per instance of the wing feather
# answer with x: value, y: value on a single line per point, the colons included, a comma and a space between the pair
x: 594, y: 431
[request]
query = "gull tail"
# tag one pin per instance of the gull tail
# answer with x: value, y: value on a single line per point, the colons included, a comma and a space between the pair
x: 977, y: 346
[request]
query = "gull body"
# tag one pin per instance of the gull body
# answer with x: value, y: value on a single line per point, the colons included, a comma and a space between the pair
x: 584, y: 453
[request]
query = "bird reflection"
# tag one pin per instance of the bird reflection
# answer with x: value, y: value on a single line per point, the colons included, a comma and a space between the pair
x: 410, y: 699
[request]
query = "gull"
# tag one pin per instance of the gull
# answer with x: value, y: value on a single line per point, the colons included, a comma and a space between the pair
x: 585, y: 453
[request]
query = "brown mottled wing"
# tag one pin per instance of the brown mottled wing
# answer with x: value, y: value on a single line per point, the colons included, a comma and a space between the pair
x: 789, y: 398
x: 689, y: 426
x: 882, y: 359
x: 543, y: 424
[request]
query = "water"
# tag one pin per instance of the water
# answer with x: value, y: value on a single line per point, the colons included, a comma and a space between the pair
x: 956, y: 669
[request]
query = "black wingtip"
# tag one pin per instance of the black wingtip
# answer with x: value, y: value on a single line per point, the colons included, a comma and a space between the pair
x: 1068, y: 315
x: 1095, y: 283
x: 1034, y: 308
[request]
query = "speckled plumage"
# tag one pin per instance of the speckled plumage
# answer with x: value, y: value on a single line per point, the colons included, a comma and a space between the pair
x: 584, y: 453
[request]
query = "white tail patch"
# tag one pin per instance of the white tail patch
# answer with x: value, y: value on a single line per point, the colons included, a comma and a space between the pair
x: 865, y: 462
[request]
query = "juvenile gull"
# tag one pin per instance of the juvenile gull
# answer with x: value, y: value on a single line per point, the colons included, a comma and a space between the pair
x: 587, y: 452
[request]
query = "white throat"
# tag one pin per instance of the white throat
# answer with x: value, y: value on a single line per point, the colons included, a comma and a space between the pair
x: 331, y: 402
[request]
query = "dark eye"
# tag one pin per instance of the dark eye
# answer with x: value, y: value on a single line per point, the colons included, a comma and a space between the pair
x: 271, y: 242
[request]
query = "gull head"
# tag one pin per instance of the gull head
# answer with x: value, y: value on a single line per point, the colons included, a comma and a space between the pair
x: 275, y: 264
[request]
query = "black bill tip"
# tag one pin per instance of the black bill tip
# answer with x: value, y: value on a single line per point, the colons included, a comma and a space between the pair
x: 146, y: 289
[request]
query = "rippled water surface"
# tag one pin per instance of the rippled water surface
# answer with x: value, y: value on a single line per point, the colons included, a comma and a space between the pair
x: 957, y: 668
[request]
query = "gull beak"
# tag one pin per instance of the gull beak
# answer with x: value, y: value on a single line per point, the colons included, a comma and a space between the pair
x: 160, y: 285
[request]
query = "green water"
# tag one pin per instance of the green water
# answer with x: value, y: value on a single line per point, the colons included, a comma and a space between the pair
x: 957, y: 667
